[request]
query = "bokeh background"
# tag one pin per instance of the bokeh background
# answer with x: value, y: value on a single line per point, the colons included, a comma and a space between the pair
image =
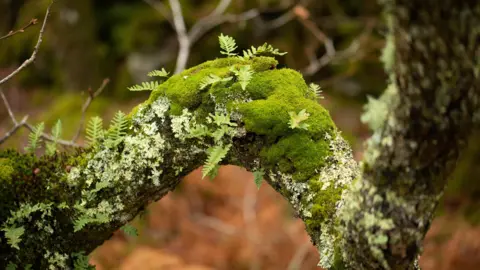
x: 226, y: 223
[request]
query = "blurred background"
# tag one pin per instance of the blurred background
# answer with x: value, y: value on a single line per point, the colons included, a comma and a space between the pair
x: 227, y: 223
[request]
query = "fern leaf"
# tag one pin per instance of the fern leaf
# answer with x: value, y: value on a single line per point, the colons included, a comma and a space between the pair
x: 117, y: 130
x: 94, y: 130
x: 13, y: 236
x: 81, y: 262
x: 211, y: 79
x: 297, y: 119
x: 258, y: 177
x: 158, y: 73
x: 215, y: 155
x: 35, y: 138
x: 265, y: 49
x: 129, y: 230
x: 315, y: 88
x: 244, y: 75
x: 51, y: 147
x: 227, y: 44
x: 145, y: 86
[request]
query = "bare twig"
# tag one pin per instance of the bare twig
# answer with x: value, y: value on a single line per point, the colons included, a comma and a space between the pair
x: 13, y: 130
x: 35, y: 50
x: 331, y: 54
x: 208, y: 23
x: 21, y: 30
x: 186, y: 38
x: 91, y: 96
x: 183, y: 40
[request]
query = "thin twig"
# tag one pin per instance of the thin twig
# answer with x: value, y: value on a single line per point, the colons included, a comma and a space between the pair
x: 15, y: 128
x: 187, y: 38
x: 9, y: 109
x: 35, y: 50
x: 21, y: 30
x: 183, y: 40
x: 208, y: 23
x: 91, y: 97
x: 331, y: 54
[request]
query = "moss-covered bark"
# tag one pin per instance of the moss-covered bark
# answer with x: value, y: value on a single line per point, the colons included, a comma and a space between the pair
x: 434, y: 100
x: 55, y: 208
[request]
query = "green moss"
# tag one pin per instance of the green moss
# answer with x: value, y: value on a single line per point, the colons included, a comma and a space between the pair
x: 297, y: 154
x: 323, y: 206
x: 275, y: 93
x: 6, y: 170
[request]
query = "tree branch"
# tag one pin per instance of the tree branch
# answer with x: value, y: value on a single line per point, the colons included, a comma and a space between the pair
x: 30, y: 60
x: 91, y: 97
x: 21, y: 30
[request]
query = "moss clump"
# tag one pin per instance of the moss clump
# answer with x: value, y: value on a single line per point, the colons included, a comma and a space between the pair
x: 297, y: 154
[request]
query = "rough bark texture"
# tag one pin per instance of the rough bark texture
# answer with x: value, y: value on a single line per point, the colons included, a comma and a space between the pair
x: 54, y: 208
x: 434, y: 101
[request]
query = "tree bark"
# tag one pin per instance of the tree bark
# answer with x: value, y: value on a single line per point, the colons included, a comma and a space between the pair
x: 434, y: 101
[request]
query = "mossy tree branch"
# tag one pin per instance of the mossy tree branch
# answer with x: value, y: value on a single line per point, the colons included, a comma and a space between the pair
x: 54, y: 208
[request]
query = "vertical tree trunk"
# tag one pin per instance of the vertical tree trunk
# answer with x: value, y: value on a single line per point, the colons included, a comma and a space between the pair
x: 433, y: 61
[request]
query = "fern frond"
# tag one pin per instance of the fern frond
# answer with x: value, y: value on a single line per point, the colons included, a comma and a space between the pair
x: 258, y: 177
x: 51, y: 147
x: 129, y: 230
x: 94, y: 130
x: 215, y: 155
x: 145, y: 86
x: 315, y: 88
x: 81, y: 262
x: 265, y: 49
x: 297, y: 119
x: 13, y: 236
x: 35, y: 138
x: 211, y: 79
x: 117, y: 130
x: 244, y: 75
x: 227, y: 44
x: 158, y: 73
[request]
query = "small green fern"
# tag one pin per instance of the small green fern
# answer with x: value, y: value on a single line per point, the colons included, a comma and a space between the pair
x: 265, y: 49
x: 145, y: 86
x: 35, y: 138
x: 117, y: 130
x: 258, y: 177
x: 215, y: 155
x: 211, y: 79
x: 315, y: 88
x: 297, y: 119
x: 94, y: 130
x: 244, y: 75
x: 129, y: 230
x: 228, y: 45
x: 81, y: 262
x: 51, y: 147
x: 158, y: 73
x: 14, y: 236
